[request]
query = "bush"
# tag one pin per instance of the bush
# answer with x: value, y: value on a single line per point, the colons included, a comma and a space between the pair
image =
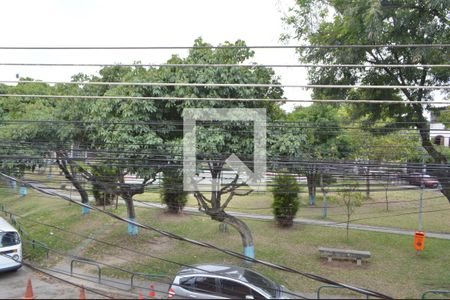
x: 172, y: 193
x: 285, y: 199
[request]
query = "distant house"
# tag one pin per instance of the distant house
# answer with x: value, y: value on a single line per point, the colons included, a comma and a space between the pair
x: 438, y: 133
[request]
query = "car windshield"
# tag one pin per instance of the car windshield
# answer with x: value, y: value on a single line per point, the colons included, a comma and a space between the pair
x: 8, y: 239
x: 261, y: 282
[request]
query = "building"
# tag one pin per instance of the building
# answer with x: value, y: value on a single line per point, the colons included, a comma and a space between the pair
x: 438, y: 133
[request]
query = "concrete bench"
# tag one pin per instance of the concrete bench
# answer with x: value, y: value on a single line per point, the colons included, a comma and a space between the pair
x: 331, y: 253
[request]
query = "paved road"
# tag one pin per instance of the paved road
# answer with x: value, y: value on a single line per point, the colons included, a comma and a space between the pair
x: 13, y: 286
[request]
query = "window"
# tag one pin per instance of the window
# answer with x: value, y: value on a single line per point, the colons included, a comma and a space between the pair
x: 439, y: 140
x: 205, y: 284
x: 199, y: 284
x: 8, y: 239
x: 188, y: 283
x: 261, y: 282
x: 236, y: 290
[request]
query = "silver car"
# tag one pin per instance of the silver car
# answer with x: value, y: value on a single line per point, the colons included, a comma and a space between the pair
x: 225, y: 282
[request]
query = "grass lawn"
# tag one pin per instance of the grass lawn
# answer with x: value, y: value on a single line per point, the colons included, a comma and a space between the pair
x: 394, y: 268
x: 402, y: 213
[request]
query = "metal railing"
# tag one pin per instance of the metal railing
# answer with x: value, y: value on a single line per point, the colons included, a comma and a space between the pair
x: 331, y: 287
x: 88, y: 263
x: 436, y: 292
x: 147, y: 276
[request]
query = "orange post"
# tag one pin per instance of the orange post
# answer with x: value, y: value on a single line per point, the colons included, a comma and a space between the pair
x: 140, y: 296
x: 82, y: 293
x: 151, y: 293
x: 29, y: 291
x: 419, y: 240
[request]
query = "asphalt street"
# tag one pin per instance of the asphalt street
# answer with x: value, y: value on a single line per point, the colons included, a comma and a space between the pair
x: 13, y: 286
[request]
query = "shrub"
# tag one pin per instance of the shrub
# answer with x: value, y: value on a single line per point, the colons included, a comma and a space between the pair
x: 106, y: 178
x: 285, y: 199
x: 171, y: 192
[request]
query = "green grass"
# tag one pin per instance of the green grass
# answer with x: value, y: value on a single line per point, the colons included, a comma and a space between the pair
x: 402, y: 213
x: 394, y: 268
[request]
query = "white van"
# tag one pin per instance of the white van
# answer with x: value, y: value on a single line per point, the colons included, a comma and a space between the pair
x: 10, y: 245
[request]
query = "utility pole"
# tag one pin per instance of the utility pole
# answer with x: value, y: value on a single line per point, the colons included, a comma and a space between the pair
x: 422, y: 186
x: 325, y: 202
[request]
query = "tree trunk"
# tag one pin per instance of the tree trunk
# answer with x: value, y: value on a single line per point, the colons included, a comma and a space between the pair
x: 442, y: 174
x: 217, y: 213
x: 311, y: 181
x: 367, y: 182
x: 72, y: 178
x: 130, y: 206
x: 128, y: 198
x: 386, y: 193
x: 325, y: 201
x: 244, y: 231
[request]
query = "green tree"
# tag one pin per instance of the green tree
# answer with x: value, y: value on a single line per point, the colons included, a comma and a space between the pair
x: 216, y: 141
x: 154, y: 147
x: 127, y: 140
x: 338, y: 22
x: 39, y: 137
x: 285, y: 199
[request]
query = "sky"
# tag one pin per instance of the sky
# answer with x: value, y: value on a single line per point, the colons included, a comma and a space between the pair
x: 139, y: 23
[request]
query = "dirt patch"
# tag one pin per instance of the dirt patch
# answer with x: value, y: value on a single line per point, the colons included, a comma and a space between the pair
x: 118, y: 257
x: 175, y: 218
x: 344, y: 264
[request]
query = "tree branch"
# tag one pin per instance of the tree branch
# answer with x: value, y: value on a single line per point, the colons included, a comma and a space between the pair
x: 394, y: 77
x: 233, y: 182
x: 230, y: 196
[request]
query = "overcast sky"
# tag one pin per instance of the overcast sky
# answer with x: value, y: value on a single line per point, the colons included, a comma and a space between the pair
x: 138, y: 23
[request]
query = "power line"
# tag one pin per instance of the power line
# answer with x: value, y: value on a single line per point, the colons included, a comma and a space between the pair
x: 336, y: 46
x: 234, y: 85
x: 270, y: 123
x: 397, y: 102
x: 212, y: 65
x: 319, y: 164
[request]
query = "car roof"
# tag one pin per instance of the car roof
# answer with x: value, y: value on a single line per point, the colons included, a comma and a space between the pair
x: 5, y: 226
x: 233, y: 272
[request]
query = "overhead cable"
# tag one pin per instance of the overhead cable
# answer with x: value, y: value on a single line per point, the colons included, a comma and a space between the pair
x: 251, y: 65
x: 335, y: 46
x: 73, y: 97
x: 232, y: 85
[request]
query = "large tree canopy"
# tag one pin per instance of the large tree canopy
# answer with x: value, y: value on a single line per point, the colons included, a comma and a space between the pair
x: 391, y: 22
x: 216, y: 141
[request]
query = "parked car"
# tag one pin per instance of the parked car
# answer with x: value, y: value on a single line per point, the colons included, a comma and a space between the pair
x: 225, y: 282
x: 418, y: 178
x: 10, y: 247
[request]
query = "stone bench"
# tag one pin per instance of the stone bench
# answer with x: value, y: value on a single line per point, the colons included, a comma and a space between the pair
x: 331, y: 253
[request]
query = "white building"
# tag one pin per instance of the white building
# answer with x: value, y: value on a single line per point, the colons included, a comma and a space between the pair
x: 438, y: 133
